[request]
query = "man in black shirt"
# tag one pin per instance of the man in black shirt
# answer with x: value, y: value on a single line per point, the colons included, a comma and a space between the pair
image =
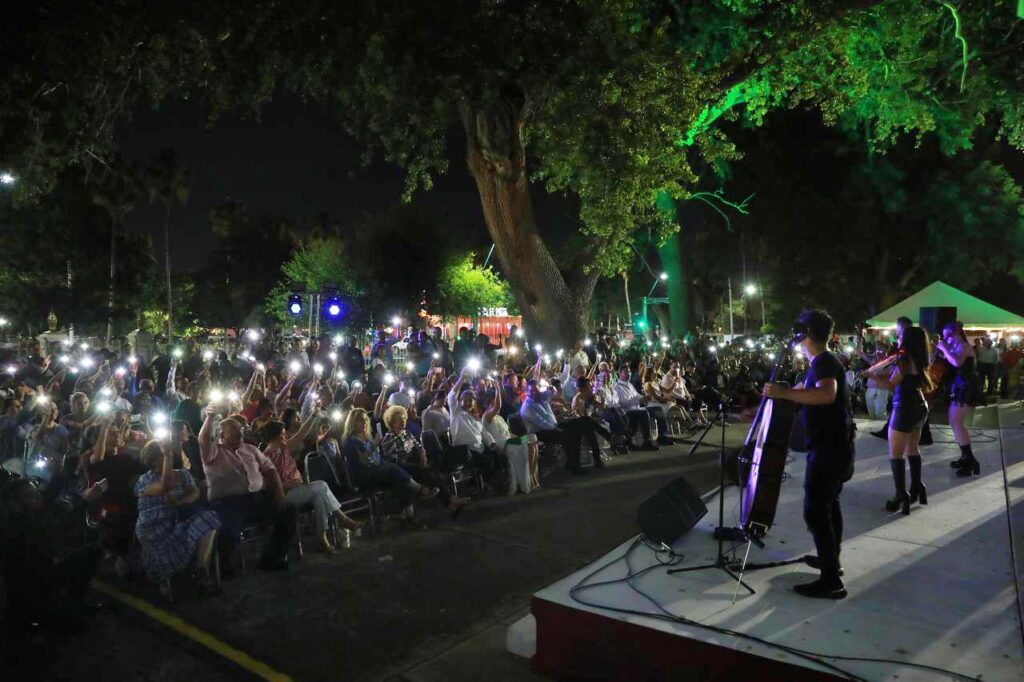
x: 828, y: 426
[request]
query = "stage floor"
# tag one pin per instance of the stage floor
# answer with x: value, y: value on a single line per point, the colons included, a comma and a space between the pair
x: 937, y: 588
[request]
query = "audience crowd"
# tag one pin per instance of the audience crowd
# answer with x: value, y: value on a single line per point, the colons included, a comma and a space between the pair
x: 167, y: 462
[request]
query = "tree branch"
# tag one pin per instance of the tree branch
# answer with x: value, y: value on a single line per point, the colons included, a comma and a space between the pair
x: 958, y: 34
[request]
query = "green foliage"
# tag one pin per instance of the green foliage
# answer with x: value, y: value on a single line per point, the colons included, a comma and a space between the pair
x: 243, y: 266
x: 317, y: 262
x: 464, y: 288
x: 70, y: 232
x: 617, y: 100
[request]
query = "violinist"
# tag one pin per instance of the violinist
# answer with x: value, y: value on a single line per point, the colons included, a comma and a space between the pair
x: 828, y: 428
x: 964, y: 395
x: 908, y: 374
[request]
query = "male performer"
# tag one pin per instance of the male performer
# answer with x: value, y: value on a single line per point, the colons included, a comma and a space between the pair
x: 828, y: 428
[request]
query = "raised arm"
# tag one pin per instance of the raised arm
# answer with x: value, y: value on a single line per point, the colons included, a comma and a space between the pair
x: 207, y: 451
x: 537, y: 370
x: 282, y: 394
x: 100, y: 450
x: 378, y: 407
x: 296, y: 441
x: 250, y: 388
x: 453, y: 395
x: 492, y: 412
x: 172, y: 380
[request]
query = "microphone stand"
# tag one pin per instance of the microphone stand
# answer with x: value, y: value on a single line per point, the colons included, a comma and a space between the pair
x: 721, y: 532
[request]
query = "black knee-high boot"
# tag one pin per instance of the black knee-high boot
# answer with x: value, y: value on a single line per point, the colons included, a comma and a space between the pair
x: 957, y: 463
x: 970, y: 465
x: 899, y: 477
x: 917, y: 490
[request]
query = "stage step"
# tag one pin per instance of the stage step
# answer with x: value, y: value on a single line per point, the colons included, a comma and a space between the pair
x: 521, y: 637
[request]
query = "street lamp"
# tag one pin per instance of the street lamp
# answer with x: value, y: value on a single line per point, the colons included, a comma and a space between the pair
x: 753, y: 290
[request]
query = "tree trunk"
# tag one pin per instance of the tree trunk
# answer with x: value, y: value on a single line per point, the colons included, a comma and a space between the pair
x: 167, y: 267
x: 110, y: 295
x: 554, y: 305
x: 625, y: 290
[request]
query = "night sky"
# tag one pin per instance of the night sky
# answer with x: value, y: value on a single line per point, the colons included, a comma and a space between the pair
x: 295, y: 163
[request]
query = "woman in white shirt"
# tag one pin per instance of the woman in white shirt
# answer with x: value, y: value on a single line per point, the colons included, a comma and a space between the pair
x: 521, y: 451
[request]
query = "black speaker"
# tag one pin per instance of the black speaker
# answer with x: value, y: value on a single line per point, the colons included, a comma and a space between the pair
x: 668, y: 514
x: 934, y: 319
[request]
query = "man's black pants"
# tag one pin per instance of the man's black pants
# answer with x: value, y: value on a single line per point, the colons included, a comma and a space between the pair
x: 238, y: 511
x: 822, y: 513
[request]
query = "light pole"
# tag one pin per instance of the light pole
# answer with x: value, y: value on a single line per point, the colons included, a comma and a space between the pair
x: 663, y: 277
x: 754, y: 290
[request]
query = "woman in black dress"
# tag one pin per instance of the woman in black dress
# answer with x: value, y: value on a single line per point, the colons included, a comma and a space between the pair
x: 909, y: 413
x: 965, y: 393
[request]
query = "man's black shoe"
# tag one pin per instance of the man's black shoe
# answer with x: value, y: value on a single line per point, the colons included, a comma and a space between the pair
x: 665, y: 440
x: 649, y: 447
x: 274, y: 564
x: 812, y: 561
x: 820, y: 589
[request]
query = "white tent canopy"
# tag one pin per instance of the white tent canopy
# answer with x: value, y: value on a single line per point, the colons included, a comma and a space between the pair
x: 973, y: 312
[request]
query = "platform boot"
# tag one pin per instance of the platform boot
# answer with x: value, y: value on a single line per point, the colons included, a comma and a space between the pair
x: 918, y: 493
x: 899, y: 478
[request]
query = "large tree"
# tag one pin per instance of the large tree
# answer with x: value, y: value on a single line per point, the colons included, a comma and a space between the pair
x: 612, y: 101
x: 167, y: 181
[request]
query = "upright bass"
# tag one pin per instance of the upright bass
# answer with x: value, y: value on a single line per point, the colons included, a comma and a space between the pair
x: 764, y: 452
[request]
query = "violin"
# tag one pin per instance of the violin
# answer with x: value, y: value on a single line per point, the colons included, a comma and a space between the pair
x: 886, y: 363
x: 937, y: 368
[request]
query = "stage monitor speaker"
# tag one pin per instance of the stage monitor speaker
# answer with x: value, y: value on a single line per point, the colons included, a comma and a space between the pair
x: 934, y: 319
x: 668, y: 514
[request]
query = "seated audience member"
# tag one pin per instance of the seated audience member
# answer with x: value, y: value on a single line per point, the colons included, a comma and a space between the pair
x: 45, y: 585
x: 370, y: 473
x: 79, y: 418
x: 278, y: 448
x: 50, y: 442
x: 401, y: 447
x: 468, y: 430
x: 436, y: 418
x: 583, y: 426
x: 185, y: 450
x: 521, y: 451
x: 638, y: 412
x: 110, y: 465
x: 169, y: 543
x: 511, y: 400
x: 13, y: 418
x: 244, y: 487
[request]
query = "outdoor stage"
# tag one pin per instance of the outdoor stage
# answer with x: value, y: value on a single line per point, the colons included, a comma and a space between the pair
x: 937, y: 588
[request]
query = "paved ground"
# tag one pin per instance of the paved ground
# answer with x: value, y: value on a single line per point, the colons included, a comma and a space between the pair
x: 404, y: 605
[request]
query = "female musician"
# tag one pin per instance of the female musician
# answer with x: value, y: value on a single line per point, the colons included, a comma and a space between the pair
x: 909, y: 413
x: 965, y: 392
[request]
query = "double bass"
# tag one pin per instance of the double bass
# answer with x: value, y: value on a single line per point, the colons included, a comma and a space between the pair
x: 764, y: 453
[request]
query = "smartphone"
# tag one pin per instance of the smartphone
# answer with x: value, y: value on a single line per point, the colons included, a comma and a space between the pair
x: 102, y: 484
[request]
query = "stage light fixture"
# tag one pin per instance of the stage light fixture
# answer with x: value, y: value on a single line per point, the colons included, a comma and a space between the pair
x: 295, y: 305
x: 333, y: 307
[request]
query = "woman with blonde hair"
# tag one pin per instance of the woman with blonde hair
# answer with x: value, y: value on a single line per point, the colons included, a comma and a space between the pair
x: 368, y: 472
x: 400, y: 447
